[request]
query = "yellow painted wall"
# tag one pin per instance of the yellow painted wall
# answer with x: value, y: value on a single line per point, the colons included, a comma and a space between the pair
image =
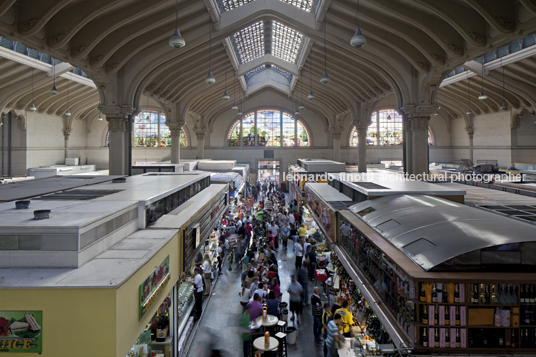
x: 76, y: 322
x: 129, y: 327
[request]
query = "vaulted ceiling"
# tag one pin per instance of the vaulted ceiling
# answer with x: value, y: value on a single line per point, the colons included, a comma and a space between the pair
x: 259, y: 44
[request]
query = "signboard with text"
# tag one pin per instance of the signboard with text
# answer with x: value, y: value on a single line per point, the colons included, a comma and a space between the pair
x: 21, y: 331
x: 153, y: 285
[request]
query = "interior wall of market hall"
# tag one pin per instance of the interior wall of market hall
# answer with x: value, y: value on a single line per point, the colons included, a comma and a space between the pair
x: 410, y: 93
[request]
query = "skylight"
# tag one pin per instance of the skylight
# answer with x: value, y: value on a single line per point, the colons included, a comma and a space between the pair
x: 249, y: 42
x: 227, y: 5
x: 253, y: 72
x: 301, y: 4
x: 286, y: 42
x: 285, y: 73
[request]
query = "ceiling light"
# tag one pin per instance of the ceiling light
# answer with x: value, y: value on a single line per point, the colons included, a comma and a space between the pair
x: 32, y: 107
x: 226, y: 96
x: 436, y: 113
x: 503, y: 106
x: 239, y: 112
x: 100, y: 117
x: 234, y: 107
x: 176, y: 40
x: 54, y: 90
x: 297, y: 112
x: 210, y: 78
x: 389, y: 117
x: 325, y: 78
x: 301, y: 107
x: 469, y: 112
x: 67, y: 113
x: 482, y: 96
x: 311, y: 96
x: 358, y: 40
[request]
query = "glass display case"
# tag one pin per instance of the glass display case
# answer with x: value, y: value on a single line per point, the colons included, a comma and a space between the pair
x: 185, y: 304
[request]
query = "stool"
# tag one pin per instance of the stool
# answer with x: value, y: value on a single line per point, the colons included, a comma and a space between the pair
x: 281, y: 326
x: 282, y: 338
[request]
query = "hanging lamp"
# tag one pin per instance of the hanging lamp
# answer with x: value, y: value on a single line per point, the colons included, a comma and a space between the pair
x: 504, y: 106
x: 311, y: 95
x: 240, y: 106
x: 301, y: 107
x: 389, y: 116
x: 32, y: 107
x: 225, y: 95
x: 100, y: 117
x: 54, y: 91
x: 325, y: 78
x: 67, y: 112
x: 297, y: 112
x: 210, y: 78
x: 469, y: 111
x: 482, y: 95
x: 234, y: 107
x: 358, y: 40
x: 147, y: 117
x: 176, y: 39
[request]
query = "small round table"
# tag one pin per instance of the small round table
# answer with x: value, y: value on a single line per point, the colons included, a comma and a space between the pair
x: 259, y: 344
x: 269, y: 321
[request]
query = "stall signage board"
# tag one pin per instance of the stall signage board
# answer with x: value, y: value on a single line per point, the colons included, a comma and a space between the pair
x: 323, y: 214
x: 21, y: 331
x: 153, y: 286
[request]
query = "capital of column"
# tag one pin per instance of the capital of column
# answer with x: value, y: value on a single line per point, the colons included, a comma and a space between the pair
x: 469, y: 130
x: 67, y: 132
x: 362, y: 124
x: 175, y: 128
x: 336, y: 132
x: 420, y: 123
x: 116, y: 123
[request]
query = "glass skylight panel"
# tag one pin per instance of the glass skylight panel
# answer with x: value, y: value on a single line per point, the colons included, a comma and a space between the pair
x: 227, y: 5
x: 301, y: 4
x: 285, y: 42
x: 283, y: 72
x: 250, y: 42
x: 248, y: 75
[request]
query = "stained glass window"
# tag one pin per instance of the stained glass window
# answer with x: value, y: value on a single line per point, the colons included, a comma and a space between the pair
x: 146, y: 129
x: 372, y: 132
x: 303, y: 135
x: 273, y: 128
x: 390, y: 127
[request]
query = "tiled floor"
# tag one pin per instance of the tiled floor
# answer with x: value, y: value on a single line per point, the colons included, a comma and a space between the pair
x: 223, y: 312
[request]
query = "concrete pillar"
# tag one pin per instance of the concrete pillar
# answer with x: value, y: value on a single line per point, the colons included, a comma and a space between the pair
x: 336, y: 146
x: 117, y: 126
x: 409, y: 148
x: 200, y: 145
x: 362, y: 149
x: 419, y: 143
x: 66, y: 135
x: 469, y: 130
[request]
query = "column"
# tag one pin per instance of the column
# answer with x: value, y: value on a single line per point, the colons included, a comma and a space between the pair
x: 66, y: 135
x: 469, y: 130
x: 362, y: 128
x: 419, y: 143
x: 117, y: 126
x: 175, y: 131
x: 200, y: 145
x: 409, y: 141
x: 336, y: 146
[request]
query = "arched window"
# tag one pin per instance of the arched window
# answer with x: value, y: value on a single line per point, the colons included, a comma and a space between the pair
x: 150, y: 130
x: 268, y: 127
x: 385, y: 129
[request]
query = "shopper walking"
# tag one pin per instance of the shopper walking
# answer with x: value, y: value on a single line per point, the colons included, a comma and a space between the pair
x: 316, y: 310
x: 302, y: 277
x: 246, y: 332
x: 198, y: 290
x: 207, y: 270
x: 295, y: 290
x: 298, y: 248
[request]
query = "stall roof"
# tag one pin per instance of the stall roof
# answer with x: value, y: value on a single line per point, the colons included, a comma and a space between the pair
x: 386, y: 183
x: 327, y: 192
x: 431, y: 231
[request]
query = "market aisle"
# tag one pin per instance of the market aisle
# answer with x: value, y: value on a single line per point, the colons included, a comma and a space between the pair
x: 223, y: 312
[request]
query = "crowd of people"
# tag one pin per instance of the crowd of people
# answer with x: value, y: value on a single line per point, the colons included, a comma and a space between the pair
x: 249, y: 240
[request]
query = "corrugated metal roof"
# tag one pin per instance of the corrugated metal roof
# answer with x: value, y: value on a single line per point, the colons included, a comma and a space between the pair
x: 431, y: 230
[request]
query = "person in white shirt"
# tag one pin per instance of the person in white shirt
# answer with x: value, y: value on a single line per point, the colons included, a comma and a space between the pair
x: 298, y: 247
x: 198, y: 287
x: 345, y: 229
x: 207, y: 270
x: 245, y: 296
x: 290, y: 218
x: 260, y: 291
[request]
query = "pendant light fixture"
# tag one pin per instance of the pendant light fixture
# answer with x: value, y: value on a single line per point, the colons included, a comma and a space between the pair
x: 54, y: 91
x: 469, y: 111
x: 240, y: 106
x: 234, y: 107
x: 301, y: 107
x: 358, y: 40
x: 32, y: 107
x: 210, y: 78
x: 147, y: 117
x: 325, y: 78
x: 176, y: 40
x: 297, y: 112
x: 437, y: 105
x: 100, y: 117
x: 225, y: 95
x: 311, y: 95
x: 67, y: 112
x: 389, y: 116
x: 503, y: 106
x: 482, y: 95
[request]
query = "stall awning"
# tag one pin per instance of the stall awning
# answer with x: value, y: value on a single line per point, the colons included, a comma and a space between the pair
x: 438, y: 234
